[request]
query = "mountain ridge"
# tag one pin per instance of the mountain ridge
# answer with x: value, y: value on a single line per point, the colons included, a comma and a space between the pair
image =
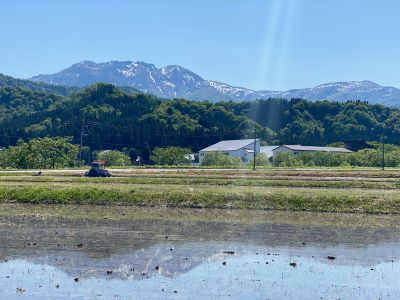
x: 174, y: 81
x: 8, y: 81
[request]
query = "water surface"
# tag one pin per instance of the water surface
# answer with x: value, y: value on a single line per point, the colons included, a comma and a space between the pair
x: 165, y: 254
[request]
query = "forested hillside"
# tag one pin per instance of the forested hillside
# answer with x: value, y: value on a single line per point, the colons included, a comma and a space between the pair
x: 8, y: 81
x: 112, y: 119
x: 322, y: 122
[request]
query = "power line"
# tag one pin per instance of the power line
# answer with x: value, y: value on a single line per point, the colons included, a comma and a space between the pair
x: 152, y: 133
x: 85, y: 124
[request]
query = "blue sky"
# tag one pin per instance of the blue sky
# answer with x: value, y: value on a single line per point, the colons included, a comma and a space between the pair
x: 260, y: 44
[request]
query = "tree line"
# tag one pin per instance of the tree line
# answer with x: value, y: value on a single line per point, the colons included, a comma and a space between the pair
x: 50, y: 153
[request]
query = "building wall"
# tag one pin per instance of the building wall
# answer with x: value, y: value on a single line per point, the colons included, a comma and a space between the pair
x: 241, y: 153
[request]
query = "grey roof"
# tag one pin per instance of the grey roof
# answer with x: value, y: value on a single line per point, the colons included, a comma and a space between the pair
x: 229, y: 145
x: 315, y: 148
x: 104, y: 151
x: 268, y: 150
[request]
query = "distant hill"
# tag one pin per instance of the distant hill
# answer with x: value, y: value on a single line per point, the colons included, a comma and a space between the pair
x: 178, y: 82
x: 7, y: 81
x: 115, y: 120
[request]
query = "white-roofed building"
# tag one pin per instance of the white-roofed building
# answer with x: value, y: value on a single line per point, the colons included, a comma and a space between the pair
x: 268, y: 150
x: 298, y: 149
x: 244, y: 149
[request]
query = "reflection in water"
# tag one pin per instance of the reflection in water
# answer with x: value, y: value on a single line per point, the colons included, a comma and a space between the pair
x: 149, y: 258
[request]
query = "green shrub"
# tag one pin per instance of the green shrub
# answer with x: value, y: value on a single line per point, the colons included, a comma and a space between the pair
x: 286, y: 159
x: 261, y: 161
x: 171, y: 156
x: 220, y: 159
x: 114, y: 158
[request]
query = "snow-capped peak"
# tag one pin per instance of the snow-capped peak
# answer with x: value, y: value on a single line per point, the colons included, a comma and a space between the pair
x: 175, y: 81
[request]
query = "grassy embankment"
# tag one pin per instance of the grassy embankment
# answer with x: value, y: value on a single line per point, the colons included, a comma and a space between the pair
x: 368, y: 191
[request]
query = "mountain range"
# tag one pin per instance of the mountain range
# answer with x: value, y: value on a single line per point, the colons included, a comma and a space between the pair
x: 177, y: 82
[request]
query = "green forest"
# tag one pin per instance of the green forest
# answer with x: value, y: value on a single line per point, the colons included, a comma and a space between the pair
x: 108, y: 117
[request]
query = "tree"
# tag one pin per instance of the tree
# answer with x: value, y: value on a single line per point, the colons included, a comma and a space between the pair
x: 323, y: 159
x: 366, y: 158
x: 261, y: 160
x: 285, y: 159
x: 114, y: 158
x: 171, y: 156
x: 392, y: 159
x: 43, y: 153
x: 220, y: 159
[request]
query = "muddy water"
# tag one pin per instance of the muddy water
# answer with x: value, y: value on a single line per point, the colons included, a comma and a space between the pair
x: 209, y: 255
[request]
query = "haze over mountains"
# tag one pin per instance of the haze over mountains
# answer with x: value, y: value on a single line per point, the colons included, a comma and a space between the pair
x: 178, y: 82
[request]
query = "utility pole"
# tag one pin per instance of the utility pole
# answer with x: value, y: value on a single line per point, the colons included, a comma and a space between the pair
x: 81, y: 141
x: 383, y: 153
x: 255, y: 147
x: 383, y: 147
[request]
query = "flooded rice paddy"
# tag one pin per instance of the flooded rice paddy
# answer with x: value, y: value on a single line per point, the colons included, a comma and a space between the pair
x: 133, y: 253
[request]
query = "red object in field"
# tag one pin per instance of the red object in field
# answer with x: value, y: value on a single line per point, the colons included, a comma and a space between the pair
x: 98, y: 170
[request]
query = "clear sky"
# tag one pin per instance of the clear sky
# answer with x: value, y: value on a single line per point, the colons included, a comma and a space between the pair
x: 260, y: 44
